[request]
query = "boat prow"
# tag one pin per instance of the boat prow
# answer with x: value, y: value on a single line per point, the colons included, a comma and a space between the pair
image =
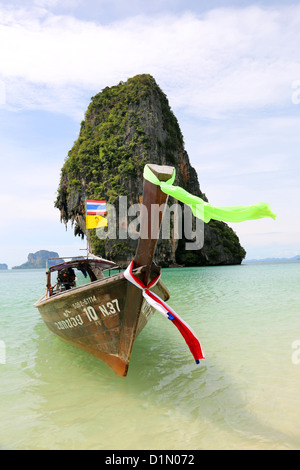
x: 104, y: 316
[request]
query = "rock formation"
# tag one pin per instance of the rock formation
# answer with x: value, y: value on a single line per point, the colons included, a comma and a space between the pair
x: 38, y: 260
x: 125, y: 127
x: 3, y: 266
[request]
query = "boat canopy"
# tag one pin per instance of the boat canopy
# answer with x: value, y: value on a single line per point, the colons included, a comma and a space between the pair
x: 92, y: 261
x: 91, y: 265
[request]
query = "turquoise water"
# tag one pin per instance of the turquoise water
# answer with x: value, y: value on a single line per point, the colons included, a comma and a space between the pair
x: 245, y: 395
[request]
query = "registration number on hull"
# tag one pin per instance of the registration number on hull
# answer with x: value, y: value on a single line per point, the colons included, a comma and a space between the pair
x: 90, y: 312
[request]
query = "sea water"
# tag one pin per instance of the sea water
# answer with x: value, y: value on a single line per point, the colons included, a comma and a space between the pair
x: 244, y: 395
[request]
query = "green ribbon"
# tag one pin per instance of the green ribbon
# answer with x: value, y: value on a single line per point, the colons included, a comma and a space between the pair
x: 204, y: 210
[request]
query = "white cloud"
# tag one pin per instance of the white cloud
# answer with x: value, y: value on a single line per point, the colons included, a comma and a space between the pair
x: 19, y: 208
x: 254, y: 145
x: 224, y: 61
x: 238, y: 65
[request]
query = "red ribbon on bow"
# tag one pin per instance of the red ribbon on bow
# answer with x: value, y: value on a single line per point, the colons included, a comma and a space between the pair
x: 161, y: 306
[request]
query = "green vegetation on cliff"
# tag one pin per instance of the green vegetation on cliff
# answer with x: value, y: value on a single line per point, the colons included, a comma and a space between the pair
x: 125, y: 127
x: 113, y: 145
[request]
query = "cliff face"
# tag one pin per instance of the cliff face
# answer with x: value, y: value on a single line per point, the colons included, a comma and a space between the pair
x: 125, y: 127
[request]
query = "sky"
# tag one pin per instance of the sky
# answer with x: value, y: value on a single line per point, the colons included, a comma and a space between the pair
x: 231, y: 72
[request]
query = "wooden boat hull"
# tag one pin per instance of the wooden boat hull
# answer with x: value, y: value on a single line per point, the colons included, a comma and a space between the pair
x: 103, y: 318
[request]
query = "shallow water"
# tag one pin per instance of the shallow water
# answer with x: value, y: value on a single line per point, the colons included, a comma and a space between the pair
x: 244, y: 395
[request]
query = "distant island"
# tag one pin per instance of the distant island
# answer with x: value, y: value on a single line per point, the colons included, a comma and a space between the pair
x: 38, y: 260
x: 271, y: 260
x: 3, y: 266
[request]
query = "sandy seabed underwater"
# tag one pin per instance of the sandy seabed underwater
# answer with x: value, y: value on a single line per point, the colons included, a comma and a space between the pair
x: 244, y: 395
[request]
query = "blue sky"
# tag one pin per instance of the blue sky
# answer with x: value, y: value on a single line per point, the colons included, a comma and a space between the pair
x: 231, y: 71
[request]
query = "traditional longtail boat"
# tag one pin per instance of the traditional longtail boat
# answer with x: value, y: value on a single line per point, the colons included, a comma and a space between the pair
x: 104, y: 316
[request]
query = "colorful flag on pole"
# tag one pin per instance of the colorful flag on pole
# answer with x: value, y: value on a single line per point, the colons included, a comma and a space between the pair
x: 94, y: 221
x: 94, y: 214
x: 95, y: 207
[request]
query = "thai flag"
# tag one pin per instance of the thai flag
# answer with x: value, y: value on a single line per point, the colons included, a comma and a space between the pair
x: 95, y: 207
